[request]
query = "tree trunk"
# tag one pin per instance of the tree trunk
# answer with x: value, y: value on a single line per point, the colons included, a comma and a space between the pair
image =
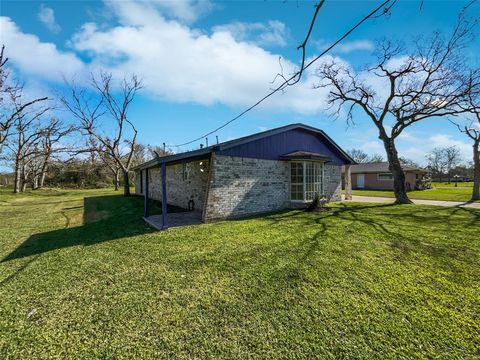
x: 42, y: 179
x: 476, y: 170
x: 395, y: 167
x: 43, y: 174
x: 116, y: 180
x: 16, y: 182
x: 126, y: 184
x: 35, y: 182
x: 23, y: 179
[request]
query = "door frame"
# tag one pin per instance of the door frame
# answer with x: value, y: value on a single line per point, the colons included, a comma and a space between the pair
x: 361, y: 176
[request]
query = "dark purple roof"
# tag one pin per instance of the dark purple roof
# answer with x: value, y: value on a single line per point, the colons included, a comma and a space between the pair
x: 252, y: 146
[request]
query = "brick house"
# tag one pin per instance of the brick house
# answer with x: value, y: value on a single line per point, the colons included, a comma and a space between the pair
x: 268, y: 171
x: 377, y: 176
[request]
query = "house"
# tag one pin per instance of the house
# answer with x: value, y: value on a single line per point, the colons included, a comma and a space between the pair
x: 377, y: 176
x: 267, y: 171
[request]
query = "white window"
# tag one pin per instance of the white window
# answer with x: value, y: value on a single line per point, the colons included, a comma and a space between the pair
x: 305, y: 180
x: 385, y: 176
x: 297, y: 180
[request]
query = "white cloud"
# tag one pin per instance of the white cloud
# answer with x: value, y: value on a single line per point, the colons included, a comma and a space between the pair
x: 34, y: 57
x: 272, y: 33
x: 417, y: 146
x: 183, y: 64
x: 47, y: 16
x: 185, y: 11
x: 176, y: 61
x: 373, y: 147
x: 346, y: 46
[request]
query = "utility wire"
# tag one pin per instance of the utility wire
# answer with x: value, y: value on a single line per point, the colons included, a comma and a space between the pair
x: 286, y: 82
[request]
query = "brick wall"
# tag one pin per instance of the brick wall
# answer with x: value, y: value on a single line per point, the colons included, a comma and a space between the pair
x: 234, y: 186
x: 244, y: 186
x: 333, y: 182
x: 179, y: 190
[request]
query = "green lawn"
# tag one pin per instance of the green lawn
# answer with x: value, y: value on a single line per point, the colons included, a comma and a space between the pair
x: 81, y: 276
x: 440, y: 191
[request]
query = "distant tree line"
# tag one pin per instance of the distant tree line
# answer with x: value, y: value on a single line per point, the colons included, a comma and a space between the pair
x: 446, y: 162
x: 361, y: 156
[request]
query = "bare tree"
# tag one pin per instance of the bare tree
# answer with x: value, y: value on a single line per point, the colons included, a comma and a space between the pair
x: 25, y: 143
x: 408, y: 162
x: 11, y: 104
x: 155, y: 151
x: 376, y: 158
x: 429, y: 80
x: 471, y: 128
x: 113, y: 166
x: 452, y: 159
x: 102, y: 101
x: 50, y: 145
x: 442, y: 160
x: 358, y: 155
x: 436, y: 162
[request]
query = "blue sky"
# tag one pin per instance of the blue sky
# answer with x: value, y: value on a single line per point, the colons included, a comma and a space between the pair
x: 203, y: 62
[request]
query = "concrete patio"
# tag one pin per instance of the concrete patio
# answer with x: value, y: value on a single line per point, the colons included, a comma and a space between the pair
x: 177, y: 219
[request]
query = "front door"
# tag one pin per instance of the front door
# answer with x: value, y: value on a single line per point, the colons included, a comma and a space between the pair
x: 360, y: 181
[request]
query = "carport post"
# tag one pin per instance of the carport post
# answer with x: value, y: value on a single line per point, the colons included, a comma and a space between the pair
x: 146, y: 211
x: 164, y: 195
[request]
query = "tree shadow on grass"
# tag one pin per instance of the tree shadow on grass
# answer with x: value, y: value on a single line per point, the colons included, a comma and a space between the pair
x: 105, y: 218
x: 395, y: 226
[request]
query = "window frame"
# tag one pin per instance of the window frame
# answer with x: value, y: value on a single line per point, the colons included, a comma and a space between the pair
x: 317, y: 169
x: 380, y: 179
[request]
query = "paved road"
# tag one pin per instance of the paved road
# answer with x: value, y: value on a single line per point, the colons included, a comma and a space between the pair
x: 372, y: 199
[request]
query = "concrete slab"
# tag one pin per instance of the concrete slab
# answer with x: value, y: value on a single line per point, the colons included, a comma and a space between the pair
x: 175, y: 220
x: 373, y: 199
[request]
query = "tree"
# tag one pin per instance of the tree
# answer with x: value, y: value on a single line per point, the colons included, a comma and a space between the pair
x: 428, y: 80
x: 442, y: 160
x: 436, y: 162
x: 452, y: 157
x: 408, y: 162
x: 362, y: 157
x: 102, y: 102
x: 376, y: 158
x: 471, y: 128
x: 358, y: 155
x: 11, y: 105
x: 25, y: 144
x: 52, y: 135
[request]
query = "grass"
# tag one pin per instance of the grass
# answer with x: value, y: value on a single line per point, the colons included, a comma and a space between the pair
x: 440, y: 191
x: 81, y: 276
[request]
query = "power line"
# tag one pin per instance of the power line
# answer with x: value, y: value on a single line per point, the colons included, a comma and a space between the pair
x: 298, y: 74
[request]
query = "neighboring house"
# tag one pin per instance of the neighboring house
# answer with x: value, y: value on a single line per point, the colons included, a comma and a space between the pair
x: 377, y: 176
x: 268, y: 171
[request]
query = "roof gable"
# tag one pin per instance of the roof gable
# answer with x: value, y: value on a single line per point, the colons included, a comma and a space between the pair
x: 274, y: 144
x: 270, y: 144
